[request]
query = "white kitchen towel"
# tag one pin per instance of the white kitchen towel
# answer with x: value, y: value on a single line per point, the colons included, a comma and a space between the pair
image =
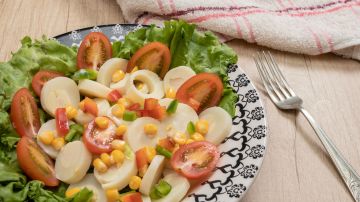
x: 301, y: 26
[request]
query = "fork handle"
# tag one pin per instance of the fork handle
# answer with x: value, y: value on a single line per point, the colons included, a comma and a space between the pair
x: 348, y: 174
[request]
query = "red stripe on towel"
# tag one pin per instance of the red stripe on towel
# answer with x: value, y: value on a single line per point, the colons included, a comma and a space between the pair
x: 238, y: 28
x: 221, y: 15
x: 244, y: 13
x: 345, y: 6
x: 286, y: 11
x: 329, y: 40
x: 251, y: 32
x: 239, y: 8
x: 317, y: 41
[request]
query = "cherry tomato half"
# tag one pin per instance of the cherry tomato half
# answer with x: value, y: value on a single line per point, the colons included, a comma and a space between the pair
x: 94, y: 50
x: 154, y: 56
x: 41, y: 77
x: 97, y: 140
x: 35, y: 163
x: 195, y: 160
x: 24, y: 113
x: 201, y: 91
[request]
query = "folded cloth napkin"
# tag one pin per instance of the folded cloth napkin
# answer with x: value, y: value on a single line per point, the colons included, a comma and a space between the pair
x: 301, y: 26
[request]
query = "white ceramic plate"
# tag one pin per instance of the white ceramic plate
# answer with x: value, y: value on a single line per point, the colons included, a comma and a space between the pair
x: 242, y: 151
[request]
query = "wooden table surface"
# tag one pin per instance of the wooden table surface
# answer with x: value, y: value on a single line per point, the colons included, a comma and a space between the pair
x: 296, y: 167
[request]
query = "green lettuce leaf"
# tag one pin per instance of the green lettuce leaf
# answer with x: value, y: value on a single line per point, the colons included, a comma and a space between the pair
x: 201, y: 51
x: 31, y: 57
x: 37, y: 193
x: 15, y: 74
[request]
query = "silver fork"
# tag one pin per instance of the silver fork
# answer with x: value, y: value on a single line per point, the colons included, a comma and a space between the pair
x: 285, y: 98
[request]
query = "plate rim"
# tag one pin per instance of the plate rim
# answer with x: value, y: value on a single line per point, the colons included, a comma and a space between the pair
x: 102, y: 25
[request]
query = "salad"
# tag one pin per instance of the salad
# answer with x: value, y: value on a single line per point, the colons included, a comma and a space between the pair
x: 137, y: 120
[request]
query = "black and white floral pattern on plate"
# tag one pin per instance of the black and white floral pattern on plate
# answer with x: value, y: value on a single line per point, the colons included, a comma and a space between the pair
x: 242, y: 151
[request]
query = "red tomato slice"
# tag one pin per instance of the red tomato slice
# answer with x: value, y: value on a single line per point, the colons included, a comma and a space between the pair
x: 35, y: 163
x: 158, y: 113
x: 114, y: 96
x: 150, y: 103
x: 201, y: 91
x: 134, y: 107
x: 24, y: 113
x: 195, y: 160
x: 41, y: 77
x: 153, y: 109
x: 131, y: 197
x: 141, y: 158
x: 167, y: 143
x: 154, y: 56
x: 98, y: 140
x: 94, y: 50
x: 62, y: 122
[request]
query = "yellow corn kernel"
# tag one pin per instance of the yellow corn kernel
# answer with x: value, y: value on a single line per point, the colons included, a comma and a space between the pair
x: 150, y: 129
x: 82, y: 105
x: 135, y: 69
x: 118, y: 144
x: 197, y: 137
x: 47, y: 137
x: 180, y: 138
x: 106, y: 159
x: 71, y: 192
x: 202, y: 126
x: 58, y: 143
x: 121, y: 130
x: 118, y: 110
x: 102, y: 122
x: 118, y: 156
x: 135, y: 182
x: 112, y: 195
x: 118, y: 76
x: 150, y: 153
x: 99, y: 165
x: 188, y: 141
x: 71, y: 112
x: 124, y: 102
x: 170, y: 93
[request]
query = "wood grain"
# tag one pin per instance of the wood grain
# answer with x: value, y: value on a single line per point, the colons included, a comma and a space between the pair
x: 296, y: 167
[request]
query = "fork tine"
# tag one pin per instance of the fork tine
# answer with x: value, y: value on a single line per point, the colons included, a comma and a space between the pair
x: 278, y: 81
x: 280, y: 75
x: 265, y: 82
x: 270, y: 79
